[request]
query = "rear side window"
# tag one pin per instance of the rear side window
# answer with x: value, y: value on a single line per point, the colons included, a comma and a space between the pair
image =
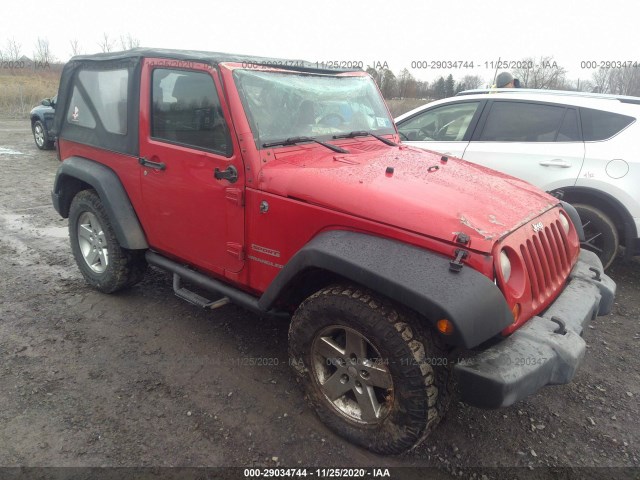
x: 186, y: 110
x: 569, y: 129
x: 522, y: 122
x: 79, y: 114
x: 600, y: 125
x: 107, y: 91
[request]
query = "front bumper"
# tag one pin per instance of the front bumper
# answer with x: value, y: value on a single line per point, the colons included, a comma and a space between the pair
x: 541, y: 352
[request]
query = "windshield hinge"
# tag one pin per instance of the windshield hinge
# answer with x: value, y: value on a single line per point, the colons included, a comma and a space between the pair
x: 456, y: 264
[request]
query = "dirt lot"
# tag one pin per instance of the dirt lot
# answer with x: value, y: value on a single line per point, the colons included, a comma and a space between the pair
x: 144, y: 379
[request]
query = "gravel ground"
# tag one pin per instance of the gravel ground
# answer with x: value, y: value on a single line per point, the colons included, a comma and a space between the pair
x: 142, y: 378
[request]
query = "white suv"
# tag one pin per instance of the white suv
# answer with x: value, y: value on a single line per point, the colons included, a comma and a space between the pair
x: 580, y: 146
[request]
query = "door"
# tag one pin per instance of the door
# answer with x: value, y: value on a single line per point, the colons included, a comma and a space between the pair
x: 192, y: 179
x: 445, y: 129
x: 537, y: 142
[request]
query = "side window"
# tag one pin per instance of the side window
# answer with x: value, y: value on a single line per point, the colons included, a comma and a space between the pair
x: 107, y: 90
x: 447, y: 123
x: 522, y: 122
x: 185, y: 109
x: 599, y: 125
x: 79, y: 114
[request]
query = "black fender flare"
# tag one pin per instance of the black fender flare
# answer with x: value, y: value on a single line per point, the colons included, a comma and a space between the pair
x: 75, y: 173
x: 575, y: 218
x: 411, y: 276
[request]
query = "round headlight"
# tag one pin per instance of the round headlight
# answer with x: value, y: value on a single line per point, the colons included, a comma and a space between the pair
x: 505, y: 266
x: 564, y: 221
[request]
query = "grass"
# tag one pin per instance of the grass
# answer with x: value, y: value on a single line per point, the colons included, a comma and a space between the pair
x: 23, y: 89
x: 403, y: 105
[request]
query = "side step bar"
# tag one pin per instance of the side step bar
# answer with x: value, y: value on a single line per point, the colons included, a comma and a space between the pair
x: 226, y: 291
x: 194, y: 298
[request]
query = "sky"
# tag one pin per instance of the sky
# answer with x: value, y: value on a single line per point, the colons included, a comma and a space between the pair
x: 400, y: 33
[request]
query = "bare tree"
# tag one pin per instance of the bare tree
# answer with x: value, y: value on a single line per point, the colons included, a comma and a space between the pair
x: 544, y: 73
x: 470, y: 82
x: 617, y: 81
x: 106, y: 44
x: 129, y: 42
x: 406, y: 85
x: 75, y: 47
x: 13, y: 51
x: 581, y: 85
x: 42, y: 55
x: 624, y: 81
x: 388, y: 83
x: 422, y: 89
x: 374, y: 73
x: 600, y: 80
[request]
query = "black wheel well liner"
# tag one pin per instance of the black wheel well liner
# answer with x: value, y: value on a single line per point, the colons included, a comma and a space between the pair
x: 76, y: 174
x: 610, y: 205
x: 413, y: 277
x: 304, y: 284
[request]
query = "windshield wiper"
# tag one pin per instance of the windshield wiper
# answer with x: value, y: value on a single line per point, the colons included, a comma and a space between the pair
x: 294, y: 140
x: 363, y: 133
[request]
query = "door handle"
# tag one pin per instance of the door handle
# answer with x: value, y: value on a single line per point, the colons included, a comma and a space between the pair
x: 230, y: 174
x: 148, y: 163
x: 556, y: 162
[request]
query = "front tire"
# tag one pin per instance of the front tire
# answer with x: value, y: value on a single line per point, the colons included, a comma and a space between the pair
x: 104, y: 264
x: 41, y: 136
x: 600, y: 233
x: 373, y: 372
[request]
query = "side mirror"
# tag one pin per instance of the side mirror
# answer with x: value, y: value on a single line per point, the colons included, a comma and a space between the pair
x: 47, y: 102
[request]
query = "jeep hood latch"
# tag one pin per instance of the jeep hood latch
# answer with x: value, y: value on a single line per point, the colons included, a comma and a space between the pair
x: 456, y: 264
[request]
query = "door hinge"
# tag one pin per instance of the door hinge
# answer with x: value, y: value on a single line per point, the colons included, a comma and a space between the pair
x: 236, y: 250
x: 235, y: 196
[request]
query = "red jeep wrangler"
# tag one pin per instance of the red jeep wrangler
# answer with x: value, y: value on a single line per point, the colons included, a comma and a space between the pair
x: 280, y: 186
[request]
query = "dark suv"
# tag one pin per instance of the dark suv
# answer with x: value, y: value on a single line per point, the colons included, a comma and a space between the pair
x: 41, y: 123
x: 281, y: 187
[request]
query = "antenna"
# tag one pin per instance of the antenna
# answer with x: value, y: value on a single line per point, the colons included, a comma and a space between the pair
x: 495, y: 75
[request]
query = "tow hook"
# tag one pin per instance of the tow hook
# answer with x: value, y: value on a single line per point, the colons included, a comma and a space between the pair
x: 597, y: 273
x: 456, y: 265
x: 562, y: 328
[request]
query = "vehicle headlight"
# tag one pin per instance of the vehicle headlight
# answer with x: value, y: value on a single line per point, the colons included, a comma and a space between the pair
x: 564, y: 221
x: 505, y: 266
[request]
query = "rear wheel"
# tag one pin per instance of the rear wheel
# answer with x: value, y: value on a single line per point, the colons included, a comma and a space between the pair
x: 103, y: 262
x: 371, y: 371
x: 600, y: 233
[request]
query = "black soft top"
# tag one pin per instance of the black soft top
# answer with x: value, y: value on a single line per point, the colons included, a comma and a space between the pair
x: 209, y: 58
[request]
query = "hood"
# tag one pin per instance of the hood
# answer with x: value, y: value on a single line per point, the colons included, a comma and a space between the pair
x: 407, y: 188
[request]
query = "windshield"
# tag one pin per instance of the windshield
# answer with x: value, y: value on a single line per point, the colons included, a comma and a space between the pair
x: 292, y: 104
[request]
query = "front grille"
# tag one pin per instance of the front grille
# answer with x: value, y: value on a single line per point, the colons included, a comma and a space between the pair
x: 547, y: 261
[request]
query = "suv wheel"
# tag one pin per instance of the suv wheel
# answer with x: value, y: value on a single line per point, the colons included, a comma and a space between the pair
x: 41, y: 136
x: 370, y: 371
x: 601, y: 235
x: 103, y: 263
